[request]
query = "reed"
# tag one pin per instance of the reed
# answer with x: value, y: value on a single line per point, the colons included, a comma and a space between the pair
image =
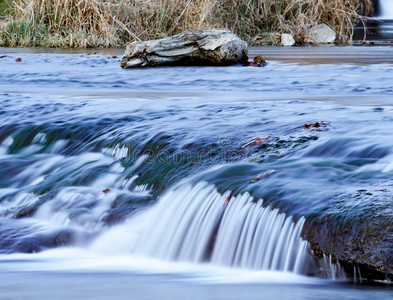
x: 113, y: 23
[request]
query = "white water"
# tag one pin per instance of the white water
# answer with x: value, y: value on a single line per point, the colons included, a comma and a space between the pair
x: 197, y: 224
x: 386, y: 9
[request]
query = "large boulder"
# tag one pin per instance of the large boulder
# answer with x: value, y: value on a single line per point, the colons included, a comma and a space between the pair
x: 189, y: 48
x: 321, y: 34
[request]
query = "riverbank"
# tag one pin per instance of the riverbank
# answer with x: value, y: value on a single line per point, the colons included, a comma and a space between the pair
x: 113, y: 23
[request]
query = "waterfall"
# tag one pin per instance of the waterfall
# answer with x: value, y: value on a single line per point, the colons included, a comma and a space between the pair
x: 198, y: 224
x: 386, y: 9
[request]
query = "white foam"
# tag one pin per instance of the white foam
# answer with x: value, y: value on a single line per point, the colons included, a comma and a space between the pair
x: 77, y: 260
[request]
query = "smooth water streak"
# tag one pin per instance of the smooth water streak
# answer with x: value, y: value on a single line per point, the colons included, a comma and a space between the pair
x: 197, y: 224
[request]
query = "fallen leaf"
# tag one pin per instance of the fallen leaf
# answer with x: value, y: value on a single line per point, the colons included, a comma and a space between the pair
x: 3, y: 56
x: 18, y: 59
x: 312, y: 125
x: 228, y: 199
x: 259, y: 140
x: 316, y: 124
x: 114, y: 56
x: 106, y: 191
x: 256, y: 141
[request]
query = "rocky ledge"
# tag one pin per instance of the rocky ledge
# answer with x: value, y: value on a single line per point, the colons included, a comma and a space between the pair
x: 357, y: 230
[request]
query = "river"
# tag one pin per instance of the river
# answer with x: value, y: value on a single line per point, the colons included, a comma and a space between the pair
x: 185, y: 182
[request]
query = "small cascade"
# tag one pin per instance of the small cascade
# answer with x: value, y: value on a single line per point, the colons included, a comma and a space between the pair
x: 197, y: 224
x: 87, y: 190
x: 332, y: 270
x: 385, y: 9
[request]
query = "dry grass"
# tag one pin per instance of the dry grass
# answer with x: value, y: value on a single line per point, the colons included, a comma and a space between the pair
x: 59, y: 23
x: 251, y: 18
x: 106, y: 23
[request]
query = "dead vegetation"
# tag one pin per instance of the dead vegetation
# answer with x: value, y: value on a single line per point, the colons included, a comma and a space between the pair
x: 113, y: 23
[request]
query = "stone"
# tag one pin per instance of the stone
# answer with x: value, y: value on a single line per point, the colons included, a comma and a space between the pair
x: 189, y: 48
x: 4, y: 21
x: 287, y: 39
x: 360, y: 237
x: 321, y: 34
x: 258, y: 61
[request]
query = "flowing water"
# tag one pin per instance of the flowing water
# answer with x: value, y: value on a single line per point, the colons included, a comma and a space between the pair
x: 185, y: 182
x: 379, y: 28
x: 385, y: 9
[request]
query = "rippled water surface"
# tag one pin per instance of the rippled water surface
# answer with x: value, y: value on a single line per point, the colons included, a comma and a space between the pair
x: 85, y: 146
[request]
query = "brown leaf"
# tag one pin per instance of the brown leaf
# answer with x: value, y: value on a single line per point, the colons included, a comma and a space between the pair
x: 106, y: 191
x: 259, y: 140
x: 312, y: 125
x: 18, y: 59
x: 316, y: 124
x: 256, y: 141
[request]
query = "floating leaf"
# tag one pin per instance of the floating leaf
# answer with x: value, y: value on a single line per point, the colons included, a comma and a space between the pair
x: 18, y: 59
x: 106, y: 191
x: 259, y: 140
x: 256, y: 141
x: 228, y: 199
x: 316, y: 124
x: 312, y: 125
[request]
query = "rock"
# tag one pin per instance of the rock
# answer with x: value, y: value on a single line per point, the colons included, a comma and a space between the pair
x: 189, y: 48
x: 258, y: 61
x: 4, y: 21
x: 287, y: 40
x: 357, y: 230
x: 64, y: 238
x: 321, y: 34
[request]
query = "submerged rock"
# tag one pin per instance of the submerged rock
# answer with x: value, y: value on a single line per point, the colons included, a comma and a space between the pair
x: 321, y: 34
x: 189, y: 48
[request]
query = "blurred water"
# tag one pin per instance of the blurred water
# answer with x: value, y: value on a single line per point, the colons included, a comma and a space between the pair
x: 86, y: 146
x: 385, y: 9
